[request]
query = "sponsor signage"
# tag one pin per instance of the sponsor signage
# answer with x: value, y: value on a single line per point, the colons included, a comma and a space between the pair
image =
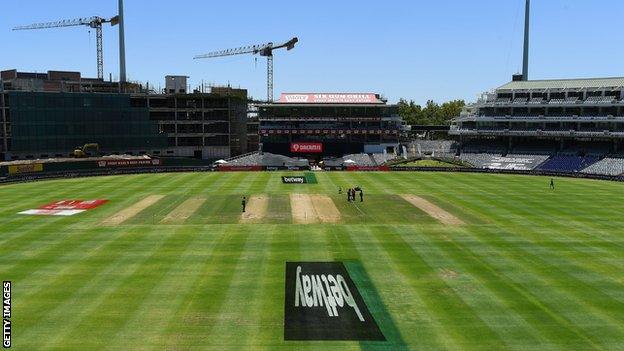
x: 323, y: 303
x: 65, y: 208
x: 510, y: 163
x: 129, y: 163
x: 29, y: 168
x: 356, y: 168
x: 306, y: 148
x: 331, y: 98
x: 228, y: 168
x: 294, y: 180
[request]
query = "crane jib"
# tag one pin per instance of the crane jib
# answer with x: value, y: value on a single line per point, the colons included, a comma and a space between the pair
x: 265, y: 50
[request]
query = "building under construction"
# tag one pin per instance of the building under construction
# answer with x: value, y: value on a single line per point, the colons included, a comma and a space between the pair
x: 50, y: 114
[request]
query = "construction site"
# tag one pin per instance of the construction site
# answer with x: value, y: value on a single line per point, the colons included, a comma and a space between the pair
x: 53, y: 114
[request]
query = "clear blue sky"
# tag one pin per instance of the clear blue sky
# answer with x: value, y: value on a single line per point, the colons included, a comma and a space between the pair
x: 440, y: 50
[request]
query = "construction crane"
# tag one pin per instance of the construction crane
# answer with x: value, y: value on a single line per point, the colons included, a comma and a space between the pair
x: 262, y: 50
x: 92, y: 22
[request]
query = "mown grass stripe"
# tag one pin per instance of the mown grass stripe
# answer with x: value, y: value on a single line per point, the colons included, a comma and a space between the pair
x: 431, y: 330
x: 197, y: 316
x: 521, y: 300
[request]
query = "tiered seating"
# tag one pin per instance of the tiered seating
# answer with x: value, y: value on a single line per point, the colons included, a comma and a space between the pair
x: 599, y: 100
x: 383, y: 158
x: 435, y: 147
x: 478, y: 160
x: 537, y: 101
x: 606, y: 166
x: 535, y: 148
x: 267, y: 159
x: 595, y: 148
x: 519, y: 101
x: 360, y: 159
x: 522, y: 162
x: 484, y: 147
x: 509, y: 162
x: 562, y: 163
x: 572, y: 99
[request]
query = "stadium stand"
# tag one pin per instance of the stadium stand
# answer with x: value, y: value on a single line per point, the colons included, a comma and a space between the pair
x: 478, y: 160
x: 517, y: 162
x: 267, y: 159
x: 333, y: 162
x: 599, y: 100
x: 509, y: 162
x: 537, y: 101
x: 360, y: 159
x: 519, y: 101
x: 380, y: 159
x: 556, y: 101
x: 536, y: 147
x: 607, y: 166
x: 432, y: 147
x: 485, y: 147
x: 572, y: 100
x: 563, y: 163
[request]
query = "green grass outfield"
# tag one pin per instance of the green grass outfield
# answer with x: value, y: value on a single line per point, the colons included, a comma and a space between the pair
x: 532, y: 269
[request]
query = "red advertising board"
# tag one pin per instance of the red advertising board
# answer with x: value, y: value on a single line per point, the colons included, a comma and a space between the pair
x: 228, y: 168
x: 329, y: 98
x: 306, y: 148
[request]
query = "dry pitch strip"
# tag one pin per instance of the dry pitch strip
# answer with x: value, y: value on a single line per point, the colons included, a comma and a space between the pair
x: 305, y: 209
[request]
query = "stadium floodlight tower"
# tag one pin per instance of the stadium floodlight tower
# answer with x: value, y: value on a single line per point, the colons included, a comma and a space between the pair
x: 122, y: 44
x: 525, y: 56
x: 263, y: 50
x: 94, y: 22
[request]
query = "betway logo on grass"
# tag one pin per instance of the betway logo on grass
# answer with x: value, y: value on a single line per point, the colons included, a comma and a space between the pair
x: 294, y: 180
x: 323, y: 303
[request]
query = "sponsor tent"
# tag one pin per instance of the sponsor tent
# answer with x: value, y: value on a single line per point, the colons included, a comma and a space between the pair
x: 220, y: 162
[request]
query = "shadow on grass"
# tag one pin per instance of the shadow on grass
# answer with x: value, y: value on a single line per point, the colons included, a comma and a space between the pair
x: 369, y: 293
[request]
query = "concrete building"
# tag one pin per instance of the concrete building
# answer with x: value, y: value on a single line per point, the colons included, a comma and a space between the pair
x: 584, y: 115
x: 334, y: 124
x: 50, y: 114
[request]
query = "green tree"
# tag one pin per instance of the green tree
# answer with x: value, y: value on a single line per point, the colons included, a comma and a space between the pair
x: 410, y: 111
x: 431, y: 114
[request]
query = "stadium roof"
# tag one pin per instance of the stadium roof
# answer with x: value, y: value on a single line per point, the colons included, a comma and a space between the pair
x: 587, y: 83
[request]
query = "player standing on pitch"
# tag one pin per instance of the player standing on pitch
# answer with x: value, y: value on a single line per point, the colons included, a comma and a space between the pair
x: 244, y: 202
x: 552, y: 184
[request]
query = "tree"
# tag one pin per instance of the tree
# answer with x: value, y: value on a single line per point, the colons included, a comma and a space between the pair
x: 431, y: 114
x: 410, y: 112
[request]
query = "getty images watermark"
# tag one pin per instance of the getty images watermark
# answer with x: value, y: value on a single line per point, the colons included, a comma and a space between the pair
x: 6, y: 314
